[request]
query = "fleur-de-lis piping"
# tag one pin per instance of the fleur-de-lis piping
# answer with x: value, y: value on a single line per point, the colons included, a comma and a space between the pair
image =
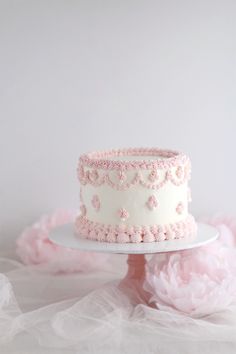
x: 123, y: 214
x: 152, y: 202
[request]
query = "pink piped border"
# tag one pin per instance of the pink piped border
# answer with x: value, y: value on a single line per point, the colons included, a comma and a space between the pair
x: 103, y: 159
x: 134, y: 234
x: 87, y: 177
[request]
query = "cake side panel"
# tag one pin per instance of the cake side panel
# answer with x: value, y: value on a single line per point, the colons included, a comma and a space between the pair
x: 143, y: 197
x: 143, y: 205
x: 136, y: 206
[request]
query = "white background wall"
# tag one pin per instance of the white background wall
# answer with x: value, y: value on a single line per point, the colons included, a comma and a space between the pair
x: 84, y: 75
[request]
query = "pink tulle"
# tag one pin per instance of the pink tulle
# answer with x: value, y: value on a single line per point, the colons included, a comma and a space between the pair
x: 34, y: 247
x: 196, y: 282
x: 227, y: 227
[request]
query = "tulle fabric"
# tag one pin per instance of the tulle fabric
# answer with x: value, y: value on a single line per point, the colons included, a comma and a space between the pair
x: 52, y: 305
x: 88, y: 313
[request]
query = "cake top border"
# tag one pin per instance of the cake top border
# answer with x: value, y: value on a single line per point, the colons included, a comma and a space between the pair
x: 99, y: 159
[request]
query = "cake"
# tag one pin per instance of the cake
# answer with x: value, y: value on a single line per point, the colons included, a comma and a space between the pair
x: 134, y: 195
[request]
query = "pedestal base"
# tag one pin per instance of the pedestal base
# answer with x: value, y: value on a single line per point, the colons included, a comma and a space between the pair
x: 132, y: 284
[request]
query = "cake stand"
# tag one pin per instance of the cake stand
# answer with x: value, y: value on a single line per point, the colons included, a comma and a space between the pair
x: 132, y: 283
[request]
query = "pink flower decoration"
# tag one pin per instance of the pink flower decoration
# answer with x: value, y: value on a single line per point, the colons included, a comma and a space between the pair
x: 35, y: 248
x: 96, y: 202
x: 180, y: 208
x: 152, y: 202
x: 197, y: 282
x: 123, y: 214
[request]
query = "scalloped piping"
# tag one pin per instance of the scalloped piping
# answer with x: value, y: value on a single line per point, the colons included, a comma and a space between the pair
x: 95, y: 179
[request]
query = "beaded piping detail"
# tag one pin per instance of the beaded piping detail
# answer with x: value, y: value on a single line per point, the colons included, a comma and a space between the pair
x: 134, y: 234
x: 100, y: 178
x: 103, y: 159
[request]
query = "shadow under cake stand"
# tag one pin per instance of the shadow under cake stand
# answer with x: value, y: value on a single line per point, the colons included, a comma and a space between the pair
x: 132, y: 283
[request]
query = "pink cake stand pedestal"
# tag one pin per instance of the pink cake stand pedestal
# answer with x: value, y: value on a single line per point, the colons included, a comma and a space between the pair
x: 132, y: 283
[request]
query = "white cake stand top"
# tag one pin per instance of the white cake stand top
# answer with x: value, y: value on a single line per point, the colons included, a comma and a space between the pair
x: 65, y: 236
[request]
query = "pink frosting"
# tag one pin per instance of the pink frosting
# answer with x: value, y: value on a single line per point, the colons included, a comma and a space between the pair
x: 123, y: 238
x: 93, y: 235
x: 148, y: 237
x: 152, y: 202
x: 96, y: 202
x: 111, y: 236
x: 180, y: 208
x: 103, y: 159
x: 123, y: 214
x: 121, y: 176
x: 170, y: 235
x: 93, y: 175
x: 122, y: 233
x: 179, y: 171
x: 160, y: 236
x: 136, y: 238
x: 138, y: 178
x: 153, y: 176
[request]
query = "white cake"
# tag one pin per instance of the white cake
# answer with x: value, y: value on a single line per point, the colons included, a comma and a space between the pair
x: 134, y: 195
